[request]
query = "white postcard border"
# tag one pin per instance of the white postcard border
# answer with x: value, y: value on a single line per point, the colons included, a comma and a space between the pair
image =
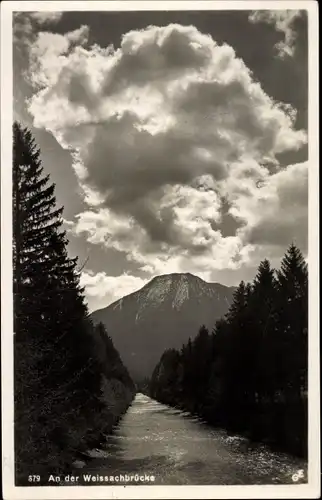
x: 12, y: 492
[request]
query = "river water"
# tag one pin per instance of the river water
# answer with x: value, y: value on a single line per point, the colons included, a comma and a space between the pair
x: 175, y: 448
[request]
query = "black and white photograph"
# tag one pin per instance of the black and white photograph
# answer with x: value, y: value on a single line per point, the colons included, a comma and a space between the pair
x: 159, y: 192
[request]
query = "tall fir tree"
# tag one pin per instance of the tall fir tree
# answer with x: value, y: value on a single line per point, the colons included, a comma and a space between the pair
x: 187, y: 369
x: 58, y: 378
x: 201, y: 364
x: 262, y: 304
x: 35, y: 221
x: 293, y: 322
x: 259, y: 358
x: 236, y: 351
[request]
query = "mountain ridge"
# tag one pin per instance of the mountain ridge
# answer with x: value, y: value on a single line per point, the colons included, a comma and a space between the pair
x: 162, y: 314
x: 155, y: 278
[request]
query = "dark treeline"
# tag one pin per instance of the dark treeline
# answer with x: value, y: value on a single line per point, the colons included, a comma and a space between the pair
x: 70, y: 384
x: 143, y: 385
x: 250, y: 374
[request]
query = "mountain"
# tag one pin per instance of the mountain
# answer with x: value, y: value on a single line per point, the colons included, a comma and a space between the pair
x: 162, y: 314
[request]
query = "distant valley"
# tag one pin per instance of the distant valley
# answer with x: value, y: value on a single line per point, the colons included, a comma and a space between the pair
x: 163, y: 314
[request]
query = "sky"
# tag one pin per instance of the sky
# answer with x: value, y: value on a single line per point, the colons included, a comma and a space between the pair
x: 177, y: 140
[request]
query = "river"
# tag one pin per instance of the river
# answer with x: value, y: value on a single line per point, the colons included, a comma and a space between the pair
x: 175, y: 448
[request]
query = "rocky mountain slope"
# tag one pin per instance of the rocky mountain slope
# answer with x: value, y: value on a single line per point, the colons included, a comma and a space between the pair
x: 162, y: 314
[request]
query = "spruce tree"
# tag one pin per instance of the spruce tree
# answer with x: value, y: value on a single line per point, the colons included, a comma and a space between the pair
x: 238, y: 305
x: 293, y: 321
x: 216, y: 383
x: 56, y: 377
x: 187, y: 369
x: 262, y: 309
x: 235, y: 353
x: 259, y: 356
x: 201, y: 364
x: 292, y: 355
x: 35, y: 221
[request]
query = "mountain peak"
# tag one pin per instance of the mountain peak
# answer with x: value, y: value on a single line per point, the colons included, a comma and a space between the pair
x: 176, y: 284
x: 174, y: 278
x: 177, y: 275
x: 178, y: 287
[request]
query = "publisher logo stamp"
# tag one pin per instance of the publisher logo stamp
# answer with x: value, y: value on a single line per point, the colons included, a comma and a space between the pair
x: 298, y: 475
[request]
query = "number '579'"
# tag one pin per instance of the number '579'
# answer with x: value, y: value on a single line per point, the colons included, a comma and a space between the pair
x: 33, y: 479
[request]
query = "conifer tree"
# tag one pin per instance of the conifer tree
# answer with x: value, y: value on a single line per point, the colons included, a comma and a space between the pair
x: 35, y: 221
x: 262, y: 303
x: 259, y: 361
x: 54, y: 366
x: 187, y: 369
x: 238, y: 306
x: 201, y: 363
x: 214, y: 401
x: 49, y: 299
x: 60, y: 394
x: 236, y: 349
x: 293, y: 321
x: 70, y: 383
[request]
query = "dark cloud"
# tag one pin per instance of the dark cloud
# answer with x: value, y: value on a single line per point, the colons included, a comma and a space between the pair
x: 228, y: 224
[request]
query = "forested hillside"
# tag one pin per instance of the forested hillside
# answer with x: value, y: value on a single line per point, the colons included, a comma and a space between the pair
x: 249, y: 375
x: 70, y: 383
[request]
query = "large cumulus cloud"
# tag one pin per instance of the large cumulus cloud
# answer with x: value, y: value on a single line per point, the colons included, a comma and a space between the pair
x: 170, y: 135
